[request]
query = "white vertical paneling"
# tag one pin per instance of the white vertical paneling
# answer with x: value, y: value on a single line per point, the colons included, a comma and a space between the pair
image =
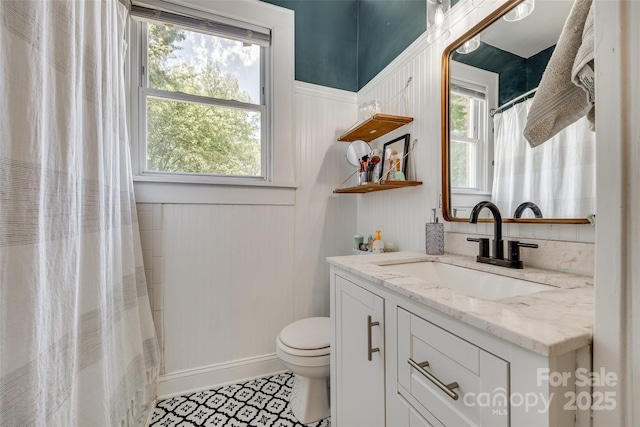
x: 325, y: 222
x: 228, y: 282
x: 401, y: 214
x: 228, y: 277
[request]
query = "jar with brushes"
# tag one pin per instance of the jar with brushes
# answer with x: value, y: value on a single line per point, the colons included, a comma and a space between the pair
x: 364, y: 176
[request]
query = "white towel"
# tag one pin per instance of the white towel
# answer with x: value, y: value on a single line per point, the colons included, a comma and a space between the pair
x: 582, y: 74
x: 559, y: 101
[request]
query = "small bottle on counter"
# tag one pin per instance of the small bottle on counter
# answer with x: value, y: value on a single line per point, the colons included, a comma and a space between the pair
x: 434, y: 236
x: 378, y: 244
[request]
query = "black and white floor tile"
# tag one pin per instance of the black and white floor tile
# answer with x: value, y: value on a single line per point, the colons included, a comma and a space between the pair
x: 262, y: 402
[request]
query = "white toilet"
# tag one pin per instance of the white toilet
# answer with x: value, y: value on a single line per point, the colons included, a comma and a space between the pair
x: 304, y: 348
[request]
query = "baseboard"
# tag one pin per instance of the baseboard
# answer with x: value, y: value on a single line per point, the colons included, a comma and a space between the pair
x: 207, y: 377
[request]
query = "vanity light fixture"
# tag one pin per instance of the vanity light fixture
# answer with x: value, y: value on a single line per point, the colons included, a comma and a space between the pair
x: 438, y: 21
x: 521, y: 11
x: 469, y: 46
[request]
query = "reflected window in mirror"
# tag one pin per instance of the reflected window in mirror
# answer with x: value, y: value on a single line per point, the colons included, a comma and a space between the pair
x: 468, y: 135
x: 474, y: 92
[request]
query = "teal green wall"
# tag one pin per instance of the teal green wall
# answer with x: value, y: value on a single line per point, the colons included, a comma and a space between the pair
x: 510, y: 68
x: 326, y: 45
x: 345, y: 43
x: 517, y: 75
x: 536, y: 66
x: 385, y: 29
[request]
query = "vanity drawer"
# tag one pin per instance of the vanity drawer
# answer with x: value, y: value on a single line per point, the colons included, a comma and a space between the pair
x: 482, y: 392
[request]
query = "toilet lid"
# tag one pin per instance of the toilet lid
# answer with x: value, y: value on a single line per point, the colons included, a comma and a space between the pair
x: 308, y: 334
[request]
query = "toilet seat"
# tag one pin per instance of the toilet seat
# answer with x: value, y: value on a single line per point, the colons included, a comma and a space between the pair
x: 324, y: 351
x: 307, y: 337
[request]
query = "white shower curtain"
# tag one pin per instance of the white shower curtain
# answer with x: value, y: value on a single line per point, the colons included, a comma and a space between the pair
x: 77, y: 342
x: 559, y: 175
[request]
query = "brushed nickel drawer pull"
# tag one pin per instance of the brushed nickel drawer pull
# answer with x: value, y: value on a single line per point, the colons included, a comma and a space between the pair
x: 369, y: 325
x: 447, y: 388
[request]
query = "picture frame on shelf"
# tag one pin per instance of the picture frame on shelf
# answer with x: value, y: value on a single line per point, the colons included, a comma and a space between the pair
x: 394, y: 159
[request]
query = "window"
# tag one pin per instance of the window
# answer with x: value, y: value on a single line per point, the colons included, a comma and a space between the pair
x: 468, y: 136
x: 202, y: 96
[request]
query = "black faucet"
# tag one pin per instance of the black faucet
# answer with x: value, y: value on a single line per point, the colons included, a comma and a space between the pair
x: 527, y: 205
x: 498, y: 245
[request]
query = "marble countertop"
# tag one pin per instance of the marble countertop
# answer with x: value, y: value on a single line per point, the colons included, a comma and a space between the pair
x: 549, y: 323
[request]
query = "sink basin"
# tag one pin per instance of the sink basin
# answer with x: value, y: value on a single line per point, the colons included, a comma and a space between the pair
x: 465, y: 280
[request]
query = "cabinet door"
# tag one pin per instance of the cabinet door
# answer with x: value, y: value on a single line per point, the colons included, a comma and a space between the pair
x: 359, y: 367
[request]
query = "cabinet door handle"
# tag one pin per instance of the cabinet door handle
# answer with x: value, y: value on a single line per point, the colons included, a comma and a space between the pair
x: 369, y: 349
x: 447, y: 388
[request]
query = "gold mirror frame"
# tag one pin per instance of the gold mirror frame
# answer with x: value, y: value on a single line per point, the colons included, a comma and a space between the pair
x: 446, y: 185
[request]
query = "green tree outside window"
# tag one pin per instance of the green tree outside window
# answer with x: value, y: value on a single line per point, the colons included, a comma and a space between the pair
x: 191, y: 137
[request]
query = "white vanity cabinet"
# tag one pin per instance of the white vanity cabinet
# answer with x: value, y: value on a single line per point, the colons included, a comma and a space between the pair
x: 358, y: 358
x: 472, y: 378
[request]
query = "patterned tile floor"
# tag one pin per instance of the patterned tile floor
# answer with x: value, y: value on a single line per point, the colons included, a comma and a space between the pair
x: 257, y: 403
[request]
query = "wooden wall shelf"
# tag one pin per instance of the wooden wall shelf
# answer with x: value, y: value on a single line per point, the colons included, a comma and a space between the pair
x: 370, y: 188
x: 375, y: 127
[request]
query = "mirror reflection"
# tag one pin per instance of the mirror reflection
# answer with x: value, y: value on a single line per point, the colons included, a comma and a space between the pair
x: 491, y: 78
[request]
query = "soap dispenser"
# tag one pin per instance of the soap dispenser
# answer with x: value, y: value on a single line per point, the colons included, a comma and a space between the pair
x: 434, y: 235
x: 378, y: 244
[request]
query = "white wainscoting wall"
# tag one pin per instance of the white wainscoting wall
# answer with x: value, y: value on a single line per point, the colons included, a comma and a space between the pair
x: 226, y: 277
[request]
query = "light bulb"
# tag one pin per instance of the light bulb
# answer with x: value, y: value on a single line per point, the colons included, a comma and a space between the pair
x: 469, y: 46
x: 438, y: 18
x: 521, y: 11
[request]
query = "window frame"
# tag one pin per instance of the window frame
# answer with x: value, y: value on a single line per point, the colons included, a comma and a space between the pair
x: 144, y: 92
x: 278, y: 165
x: 479, y: 121
x: 477, y: 80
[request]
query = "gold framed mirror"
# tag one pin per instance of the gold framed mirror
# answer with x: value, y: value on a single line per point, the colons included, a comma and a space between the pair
x: 498, y: 78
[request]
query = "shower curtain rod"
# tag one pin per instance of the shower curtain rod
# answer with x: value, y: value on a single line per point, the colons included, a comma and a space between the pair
x: 503, y: 107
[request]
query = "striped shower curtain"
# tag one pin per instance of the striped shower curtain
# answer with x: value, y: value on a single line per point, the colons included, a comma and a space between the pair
x: 77, y: 342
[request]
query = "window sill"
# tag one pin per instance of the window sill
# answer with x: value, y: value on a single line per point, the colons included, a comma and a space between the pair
x: 205, y: 190
x: 210, y: 180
